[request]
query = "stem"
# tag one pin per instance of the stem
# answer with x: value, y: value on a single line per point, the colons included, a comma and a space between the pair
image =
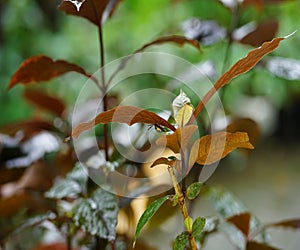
x: 69, y: 238
x: 104, y: 89
x: 181, y: 202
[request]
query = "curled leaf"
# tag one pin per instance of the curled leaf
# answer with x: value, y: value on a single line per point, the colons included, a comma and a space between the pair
x: 42, y: 68
x: 164, y: 161
x: 123, y: 114
x: 211, y: 148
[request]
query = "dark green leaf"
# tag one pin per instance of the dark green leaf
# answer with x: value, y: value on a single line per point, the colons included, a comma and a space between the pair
x: 180, y: 241
x: 251, y: 245
x: 70, y: 187
x: 148, y: 213
x: 194, y: 190
x: 98, y: 214
x: 198, y: 226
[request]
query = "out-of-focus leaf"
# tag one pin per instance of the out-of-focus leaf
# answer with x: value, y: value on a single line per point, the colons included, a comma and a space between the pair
x: 147, y: 215
x: 45, y: 101
x: 242, y: 222
x: 164, y: 161
x: 259, y: 4
x: 42, y: 68
x: 110, y: 9
x: 245, y: 125
x: 294, y: 224
x: 123, y: 114
x: 198, y: 226
x: 72, y: 186
x: 9, y: 175
x: 178, y: 140
x: 180, y: 241
x: 206, y: 32
x: 252, y: 245
x: 264, y: 31
x: 193, y: 190
x: 240, y: 67
x: 98, y: 215
x: 54, y: 246
x: 286, y: 68
x: 211, y: 148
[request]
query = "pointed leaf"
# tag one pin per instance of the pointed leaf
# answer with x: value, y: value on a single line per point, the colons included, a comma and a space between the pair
x: 252, y: 245
x: 98, y: 214
x: 240, y: 67
x: 181, y: 241
x: 294, y: 224
x: 211, y: 148
x: 148, y: 213
x: 164, y: 161
x: 184, y: 115
x: 42, y: 68
x: 242, y: 222
x: 45, y: 101
x: 193, y: 190
x: 92, y: 10
x: 179, y: 139
x: 198, y: 226
x: 123, y: 114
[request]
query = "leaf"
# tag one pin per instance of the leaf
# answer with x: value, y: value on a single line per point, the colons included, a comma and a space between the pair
x: 54, y: 246
x: 123, y: 114
x: 45, y: 101
x: 240, y: 67
x: 265, y: 31
x: 188, y: 222
x: 163, y: 161
x: 194, y: 190
x: 211, y: 148
x: 98, y: 215
x: 148, y: 213
x: 252, y: 245
x: 178, y: 140
x: 286, y: 68
x: 180, y: 241
x: 211, y: 226
x: 184, y: 115
x: 71, y: 187
x: 42, y: 68
x: 242, y: 222
x: 294, y: 224
x: 198, y: 226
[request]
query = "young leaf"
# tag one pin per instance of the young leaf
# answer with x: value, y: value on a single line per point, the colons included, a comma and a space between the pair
x: 193, y: 190
x: 98, y: 214
x: 42, y: 68
x: 184, y: 115
x: 179, y: 139
x: 71, y: 187
x: 45, y: 101
x: 180, y: 241
x: 211, y: 148
x: 240, y: 67
x: 294, y: 224
x: 148, y: 213
x: 242, y: 222
x: 252, y: 245
x: 198, y: 226
x: 123, y: 114
x: 188, y: 222
x: 164, y: 161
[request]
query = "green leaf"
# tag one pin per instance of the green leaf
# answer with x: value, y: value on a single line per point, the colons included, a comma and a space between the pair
x: 211, y: 226
x: 98, y: 214
x: 194, y: 190
x: 148, y: 213
x: 198, y: 226
x: 188, y: 222
x: 180, y: 241
x: 71, y: 187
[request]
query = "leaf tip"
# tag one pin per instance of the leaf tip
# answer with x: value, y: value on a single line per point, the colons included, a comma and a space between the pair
x: 289, y: 35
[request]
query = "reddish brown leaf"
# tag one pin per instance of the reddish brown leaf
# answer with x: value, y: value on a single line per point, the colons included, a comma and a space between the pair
x: 179, y: 40
x: 42, y: 68
x: 240, y: 67
x: 45, y: 101
x: 252, y: 245
x: 242, y: 222
x: 178, y: 140
x: 164, y: 161
x: 211, y: 148
x: 92, y: 10
x: 54, y: 246
x: 295, y: 224
x: 123, y: 114
x: 114, y: 4
x: 265, y: 31
x: 259, y: 4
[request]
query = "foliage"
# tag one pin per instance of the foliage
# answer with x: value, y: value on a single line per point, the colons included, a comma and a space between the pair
x: 85, y: 214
